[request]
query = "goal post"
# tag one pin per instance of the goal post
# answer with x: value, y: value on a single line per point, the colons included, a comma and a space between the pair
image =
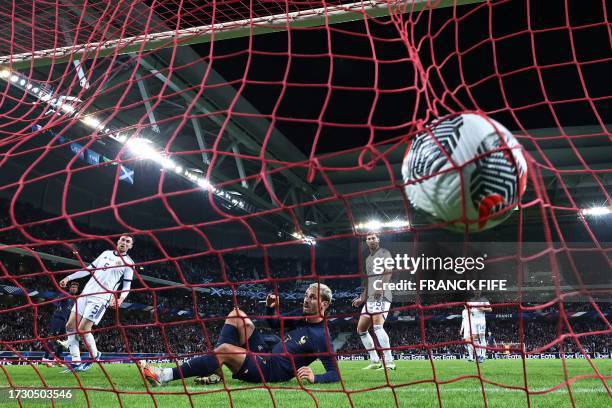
x: 222, y: 31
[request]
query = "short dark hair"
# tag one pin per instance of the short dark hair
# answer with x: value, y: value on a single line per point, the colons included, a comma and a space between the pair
x: 129, y: 236
x: 73, y: 283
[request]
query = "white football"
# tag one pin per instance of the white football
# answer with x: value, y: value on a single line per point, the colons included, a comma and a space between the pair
x: 467, y: 170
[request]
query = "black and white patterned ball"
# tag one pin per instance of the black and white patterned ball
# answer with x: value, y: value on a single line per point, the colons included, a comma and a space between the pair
x: 467, y: 170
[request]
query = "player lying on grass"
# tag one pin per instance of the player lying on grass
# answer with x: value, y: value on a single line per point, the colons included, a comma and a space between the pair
x: 304, y: 340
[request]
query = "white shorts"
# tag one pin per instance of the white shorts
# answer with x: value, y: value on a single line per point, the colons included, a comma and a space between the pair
x: 478, y: 328
x: 376, y: 307
x: 468, y: 331
x: 91, y: 308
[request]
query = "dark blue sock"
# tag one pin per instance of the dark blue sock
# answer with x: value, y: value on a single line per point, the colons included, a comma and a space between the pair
x: 228, y: 335
x: 48, y: 352
x: 58, y: 350
x: 197, y: 367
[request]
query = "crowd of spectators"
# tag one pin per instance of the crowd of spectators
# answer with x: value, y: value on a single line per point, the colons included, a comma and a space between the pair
x: 150, y: 332
x: 20, y: 333
x: 168, y: 332
x: 177, y: 264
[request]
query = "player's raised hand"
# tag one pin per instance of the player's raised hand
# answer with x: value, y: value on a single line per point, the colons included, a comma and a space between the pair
x: 306, y: 373
x: 357, y: 301
x: 64, y: 282
x: 271, y: 300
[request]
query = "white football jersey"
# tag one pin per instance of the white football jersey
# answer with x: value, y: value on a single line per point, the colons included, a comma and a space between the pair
x: 110, y: 268
x: 464, y: 316
x: 465, y: 323
x: 373, y: 273
x: 478, y: 314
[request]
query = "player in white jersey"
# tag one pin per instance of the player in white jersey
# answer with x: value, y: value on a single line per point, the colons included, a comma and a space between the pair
x: 106, y: 273
x: 468, y: 332
x: 478, y: 308
x: 377, y: 301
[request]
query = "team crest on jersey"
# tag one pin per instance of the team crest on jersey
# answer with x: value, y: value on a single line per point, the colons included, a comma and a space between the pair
x: 302, y: 340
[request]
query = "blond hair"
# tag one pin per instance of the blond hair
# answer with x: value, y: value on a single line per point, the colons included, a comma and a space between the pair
x: 325, y: 293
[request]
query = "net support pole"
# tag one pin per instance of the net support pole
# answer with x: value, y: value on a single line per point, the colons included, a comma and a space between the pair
x: 144, y: 93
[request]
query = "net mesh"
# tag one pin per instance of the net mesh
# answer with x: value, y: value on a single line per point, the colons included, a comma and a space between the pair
x: 222, y: 157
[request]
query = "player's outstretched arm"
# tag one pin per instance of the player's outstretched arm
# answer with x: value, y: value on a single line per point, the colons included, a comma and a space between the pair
x: 77, y: 275
x: 81, y: 273
x: 329, y: 363
x: 331, y: 372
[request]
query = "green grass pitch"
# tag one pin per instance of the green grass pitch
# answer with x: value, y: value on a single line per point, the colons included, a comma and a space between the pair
x: 412, y: 385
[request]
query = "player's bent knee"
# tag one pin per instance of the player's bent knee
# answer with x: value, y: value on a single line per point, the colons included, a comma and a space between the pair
x: 236, y: 317
x: 239, y: 319
x: 249, y: 323
x: 236, y: 313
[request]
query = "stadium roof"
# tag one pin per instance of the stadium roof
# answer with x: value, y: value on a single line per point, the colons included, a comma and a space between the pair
x: 164, y: 82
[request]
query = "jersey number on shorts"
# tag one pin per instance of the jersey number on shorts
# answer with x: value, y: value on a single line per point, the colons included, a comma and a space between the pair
x: 95, y: 311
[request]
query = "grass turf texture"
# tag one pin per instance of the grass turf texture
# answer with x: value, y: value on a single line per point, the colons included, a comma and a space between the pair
x: 412, y: 386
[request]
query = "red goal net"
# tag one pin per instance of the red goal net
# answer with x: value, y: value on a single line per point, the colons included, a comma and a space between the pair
x: 250, y: 147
